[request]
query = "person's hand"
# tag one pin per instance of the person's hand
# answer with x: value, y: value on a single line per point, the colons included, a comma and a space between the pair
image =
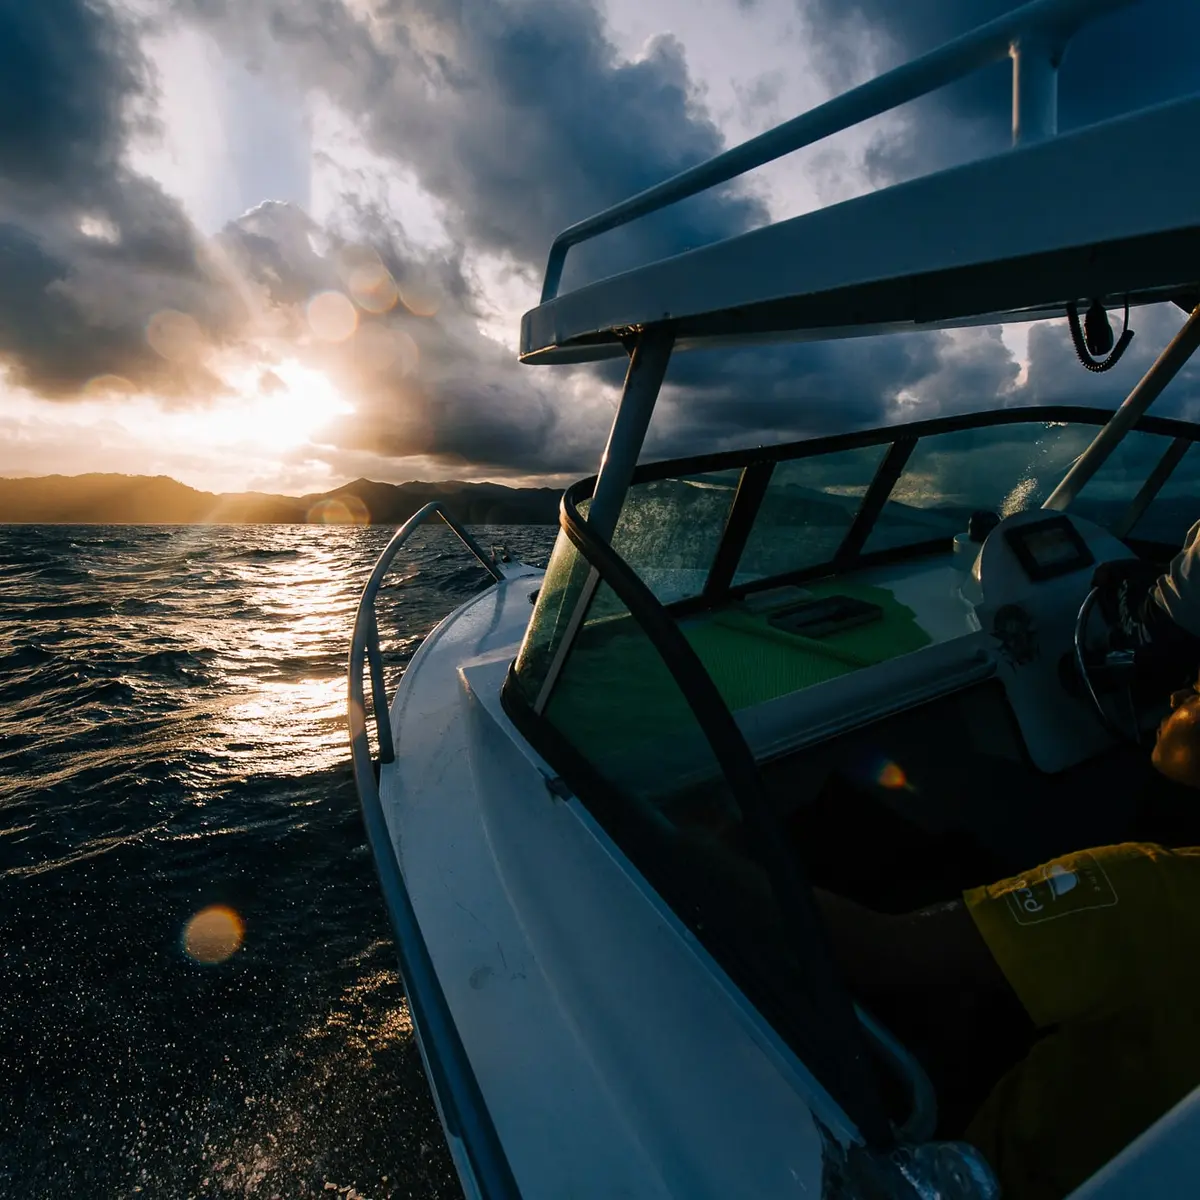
x: 1138, y: 574
x: 1123, y: 587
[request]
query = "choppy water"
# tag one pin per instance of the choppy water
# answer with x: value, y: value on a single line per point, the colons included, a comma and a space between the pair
x: 172, y: 737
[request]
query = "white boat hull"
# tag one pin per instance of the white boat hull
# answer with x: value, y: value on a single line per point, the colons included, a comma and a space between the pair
x: 614, y: 1056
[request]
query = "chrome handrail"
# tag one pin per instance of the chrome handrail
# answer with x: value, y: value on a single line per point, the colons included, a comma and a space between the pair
x: 366, y: 629
x: 471, y: 1136
x: 1034, y: 35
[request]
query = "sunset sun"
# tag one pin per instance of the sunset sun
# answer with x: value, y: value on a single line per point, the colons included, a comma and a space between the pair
x: 281, y: 408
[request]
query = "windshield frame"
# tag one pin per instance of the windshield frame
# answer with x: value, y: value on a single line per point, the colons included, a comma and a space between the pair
x: 758, y: 463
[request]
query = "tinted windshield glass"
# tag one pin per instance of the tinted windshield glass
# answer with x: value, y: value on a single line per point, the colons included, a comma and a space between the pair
x: 1001, y: 469
x: 1107, y: 495
x: 807, y: 511
x: 1176, y: 508
x: 669, y: 530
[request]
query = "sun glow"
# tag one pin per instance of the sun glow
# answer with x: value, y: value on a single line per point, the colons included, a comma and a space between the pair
x: 268, y: 428
x: 278, y: 409
x: 287, y: 407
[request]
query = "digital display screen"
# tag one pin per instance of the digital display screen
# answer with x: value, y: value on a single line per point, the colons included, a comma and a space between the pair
x: 1049, y: 548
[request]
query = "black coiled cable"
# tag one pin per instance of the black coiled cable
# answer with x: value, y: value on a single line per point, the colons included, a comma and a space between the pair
x: 1085, y: 356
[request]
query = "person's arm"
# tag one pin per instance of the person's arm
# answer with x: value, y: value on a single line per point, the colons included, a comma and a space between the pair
x: 930, y: 978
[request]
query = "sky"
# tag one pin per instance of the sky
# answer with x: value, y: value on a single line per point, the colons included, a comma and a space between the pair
x: 282, y: 244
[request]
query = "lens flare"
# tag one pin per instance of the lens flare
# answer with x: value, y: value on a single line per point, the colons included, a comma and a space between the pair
x: 213, y: 934
x: 348, y: 510
x: 420, y: 297
x: 108, y: 385
x: 378, y: 348
x: 175, y: 335
x: 891, y: 776
x: 331, y: 316
x: 373, y: 288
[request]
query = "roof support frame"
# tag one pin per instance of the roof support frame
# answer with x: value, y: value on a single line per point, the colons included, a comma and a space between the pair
x: 647, y: 365
x: 1172, y: 457
x: 1148, y: 389
x: 1035, y: 58
x: 648, y: 361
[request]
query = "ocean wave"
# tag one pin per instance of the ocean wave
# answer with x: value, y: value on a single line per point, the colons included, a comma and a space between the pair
x: 68, y: 609
x: 175, y: 664
x: 262, y: 554
x: 26, y: 654
x: 171, y: 741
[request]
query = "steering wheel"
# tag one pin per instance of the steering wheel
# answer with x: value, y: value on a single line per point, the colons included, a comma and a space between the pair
x: 1113, y: 660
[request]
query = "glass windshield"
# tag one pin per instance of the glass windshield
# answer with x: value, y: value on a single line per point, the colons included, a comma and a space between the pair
x: 807, y: 511
x: 669, y: 530
x: 1107, y: 495
x: 1002, y: 469
x: 1176, y: 508
x: 557, y: 599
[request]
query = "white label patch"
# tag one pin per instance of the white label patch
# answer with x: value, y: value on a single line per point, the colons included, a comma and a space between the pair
x: 1058, y: 890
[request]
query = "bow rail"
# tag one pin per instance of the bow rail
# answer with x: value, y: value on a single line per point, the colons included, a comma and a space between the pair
x: 1034, y: 36
x: 470, y: 1134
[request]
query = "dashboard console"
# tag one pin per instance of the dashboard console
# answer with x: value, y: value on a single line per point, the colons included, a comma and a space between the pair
x: 1028, y: 582
x: 1049, y: 548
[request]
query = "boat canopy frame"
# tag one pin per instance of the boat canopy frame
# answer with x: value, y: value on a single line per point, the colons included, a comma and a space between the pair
x: 903, y: 257
x: 1034, y: 36
x: 1016, y: 236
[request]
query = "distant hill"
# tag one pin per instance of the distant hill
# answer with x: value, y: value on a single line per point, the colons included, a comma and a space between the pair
x: 159, y: 500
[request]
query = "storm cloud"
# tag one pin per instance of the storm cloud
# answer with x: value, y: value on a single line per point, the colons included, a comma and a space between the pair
x: 517, y: 118
x: 1141, y: 55
x: 89, y: 249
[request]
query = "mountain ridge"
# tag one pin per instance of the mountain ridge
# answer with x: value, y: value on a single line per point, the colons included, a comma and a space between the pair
x: 116, y: 499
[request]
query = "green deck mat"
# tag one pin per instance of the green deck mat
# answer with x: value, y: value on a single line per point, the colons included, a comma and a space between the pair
x: 751, y: 661
x: 615, y: 693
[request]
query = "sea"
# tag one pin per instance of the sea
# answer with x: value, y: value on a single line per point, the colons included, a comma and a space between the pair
x: 198, y: 986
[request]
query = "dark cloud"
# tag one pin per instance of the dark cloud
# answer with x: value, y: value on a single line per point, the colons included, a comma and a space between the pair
x: 519, y: 118
x: 90, y: 250
x: 1122, y: 61
x: 67, y: 70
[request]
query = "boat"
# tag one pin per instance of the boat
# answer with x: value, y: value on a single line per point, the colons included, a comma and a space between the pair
x: 594, y: 802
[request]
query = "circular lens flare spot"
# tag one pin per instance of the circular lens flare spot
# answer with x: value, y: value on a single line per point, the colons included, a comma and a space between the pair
x: 373, y: 288
x: 378, y: 348
x: 420, y: 297
x: 213, y: 934
x: 175, y: 335
x: 331, y: 316
x: 108, y: 385
x: 349, y: 510
x: 892, y: 776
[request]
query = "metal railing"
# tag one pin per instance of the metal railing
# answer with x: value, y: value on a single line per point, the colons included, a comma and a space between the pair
x: 1034, y: 35
x: 366, y: 630
x: 474, y: 1144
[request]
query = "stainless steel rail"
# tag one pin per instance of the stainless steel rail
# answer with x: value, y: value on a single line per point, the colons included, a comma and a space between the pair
x: 366, y: 630
x: 1034, y: 35
x: 473, y: 1142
